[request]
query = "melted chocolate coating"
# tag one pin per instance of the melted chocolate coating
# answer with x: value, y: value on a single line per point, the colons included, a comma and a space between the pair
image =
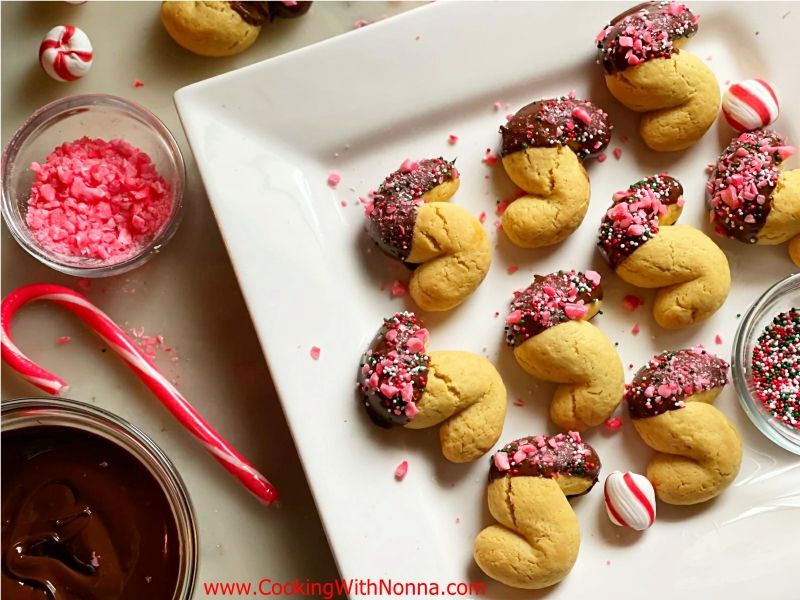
x: 578, y: 124
x: 281, y: 10
x: 644, y: 32
x: 663, y: 383
x: 741, y: 185
x: 542, y: 304
x: 255, y: 13
x: 393, y: 372
x: 393, y: 212
x: 633, y: 219
x: 82, y: 516
x: 564, y: 454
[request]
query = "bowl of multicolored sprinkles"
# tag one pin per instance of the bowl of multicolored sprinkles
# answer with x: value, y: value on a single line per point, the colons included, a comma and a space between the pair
x: 766, y: 363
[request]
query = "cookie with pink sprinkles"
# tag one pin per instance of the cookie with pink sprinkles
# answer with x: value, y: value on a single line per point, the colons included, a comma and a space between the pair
x: 752, y: 199
x: 549, y: 330
x: 698, y: 450
x: 641, y: 242
x: 402, y: 384
x: 535, y: 542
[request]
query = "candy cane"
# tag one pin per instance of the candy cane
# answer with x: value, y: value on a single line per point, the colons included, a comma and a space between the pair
x: 118, y: 341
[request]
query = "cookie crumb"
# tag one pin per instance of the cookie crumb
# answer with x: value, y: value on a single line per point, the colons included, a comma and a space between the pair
x: 401, y: 470
x: 315, y: 352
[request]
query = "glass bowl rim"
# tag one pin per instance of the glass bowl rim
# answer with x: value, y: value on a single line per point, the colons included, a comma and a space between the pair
x: 162, y: 467
x: 750, y: 405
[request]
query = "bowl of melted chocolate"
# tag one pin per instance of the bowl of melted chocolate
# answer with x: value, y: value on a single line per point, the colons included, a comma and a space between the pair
x: 92, y: 508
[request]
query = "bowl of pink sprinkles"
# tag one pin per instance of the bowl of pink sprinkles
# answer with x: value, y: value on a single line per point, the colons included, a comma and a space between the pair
x: 92, y: 185
x: 766, y: 363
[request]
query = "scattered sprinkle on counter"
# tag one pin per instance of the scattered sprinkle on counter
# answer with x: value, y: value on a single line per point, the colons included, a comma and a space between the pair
x: 617, y: 152
x: 631, y: 302
x: 512, y: 269
x: 635, y: 329
x: 776, y: 368
x: 601, y: 157
x: 452, y: 139
x: 519, y: 402
x: 490, y: 158
x: 63, y: 340
x: 613, y: 423
x: 482, y: 217
x: 398, y: 288
x: 315, y: 352
x: 401, y: 471
x: 137, y: 83
x: 718, y: 339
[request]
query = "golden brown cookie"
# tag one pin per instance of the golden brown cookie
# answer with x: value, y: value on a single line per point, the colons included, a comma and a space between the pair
x: 699, y: 450
x: 404, y: 385
x: 411, y: 220
x: 752, y: 199
x: 544, y: 145
x: 548, y: 328
x: 213, y: 28
x: 639, y: 240
x: 647, y: 72
x: 536, y: 541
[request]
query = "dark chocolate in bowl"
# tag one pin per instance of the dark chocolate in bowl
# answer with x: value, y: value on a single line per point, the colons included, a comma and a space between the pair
x: 92, y: 509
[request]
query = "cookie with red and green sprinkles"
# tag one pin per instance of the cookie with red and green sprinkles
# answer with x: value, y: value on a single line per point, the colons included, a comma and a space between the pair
x: 564, y: 454
x: 775, y: 368
x: 393, y: 372
x: 566, y: 121
x: 668, y: 378
x: 645, y: 32
x: 741, y: 183
x: 635, y: 216
x: 550, y: 300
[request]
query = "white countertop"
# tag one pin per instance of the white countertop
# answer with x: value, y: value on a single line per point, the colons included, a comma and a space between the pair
x: 188, y: 294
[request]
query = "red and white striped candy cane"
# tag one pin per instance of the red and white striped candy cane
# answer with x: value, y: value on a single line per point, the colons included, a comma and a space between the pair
x: 118, y: 341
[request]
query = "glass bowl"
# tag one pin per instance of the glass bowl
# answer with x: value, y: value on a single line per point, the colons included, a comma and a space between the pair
x: 781, y: 297
x: 59, y: 412
x: 94, y: 116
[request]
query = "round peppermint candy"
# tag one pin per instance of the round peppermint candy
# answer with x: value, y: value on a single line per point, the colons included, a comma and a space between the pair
x: 630, y: 500
x: 750, y: 105
x: 66, y: 53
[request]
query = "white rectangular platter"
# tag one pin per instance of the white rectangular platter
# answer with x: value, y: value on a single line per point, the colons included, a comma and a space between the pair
x: 266, y: 137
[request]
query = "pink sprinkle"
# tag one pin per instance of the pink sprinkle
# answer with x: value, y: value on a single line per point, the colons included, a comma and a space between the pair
x: 626, y: 41
x: 64, y: 339
x: 617, y: 152
x: 580, y: 113
x: 490, y: 158
x: 452, y: 139
x: 575, y: 311
x: 501, y: 461
x: 593, y: 276
x: 601, y: 157
x: 635, y: 329
x: 482, y: 217
x: 415, y: 345
x: 623, y: 138
x: 718, y: 339
x: 315, y: 352
x: 137, y: 83
x: 501, y: 207
x: 613, y: 423
x: 343, y: 203
x: 333, y: 179
x: 509, y: 116
x: 514, y: 317
x: 362, y: 23
x: 97, y: 199
x: 664, y: 390
x: 398, y: 288
x: 512, y: 269
x: 499, y: 104
x: 631, y: 302
x: 519, y: 402
x: 401, y: 470
x: 498, y: 225
x: 408, y: 166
